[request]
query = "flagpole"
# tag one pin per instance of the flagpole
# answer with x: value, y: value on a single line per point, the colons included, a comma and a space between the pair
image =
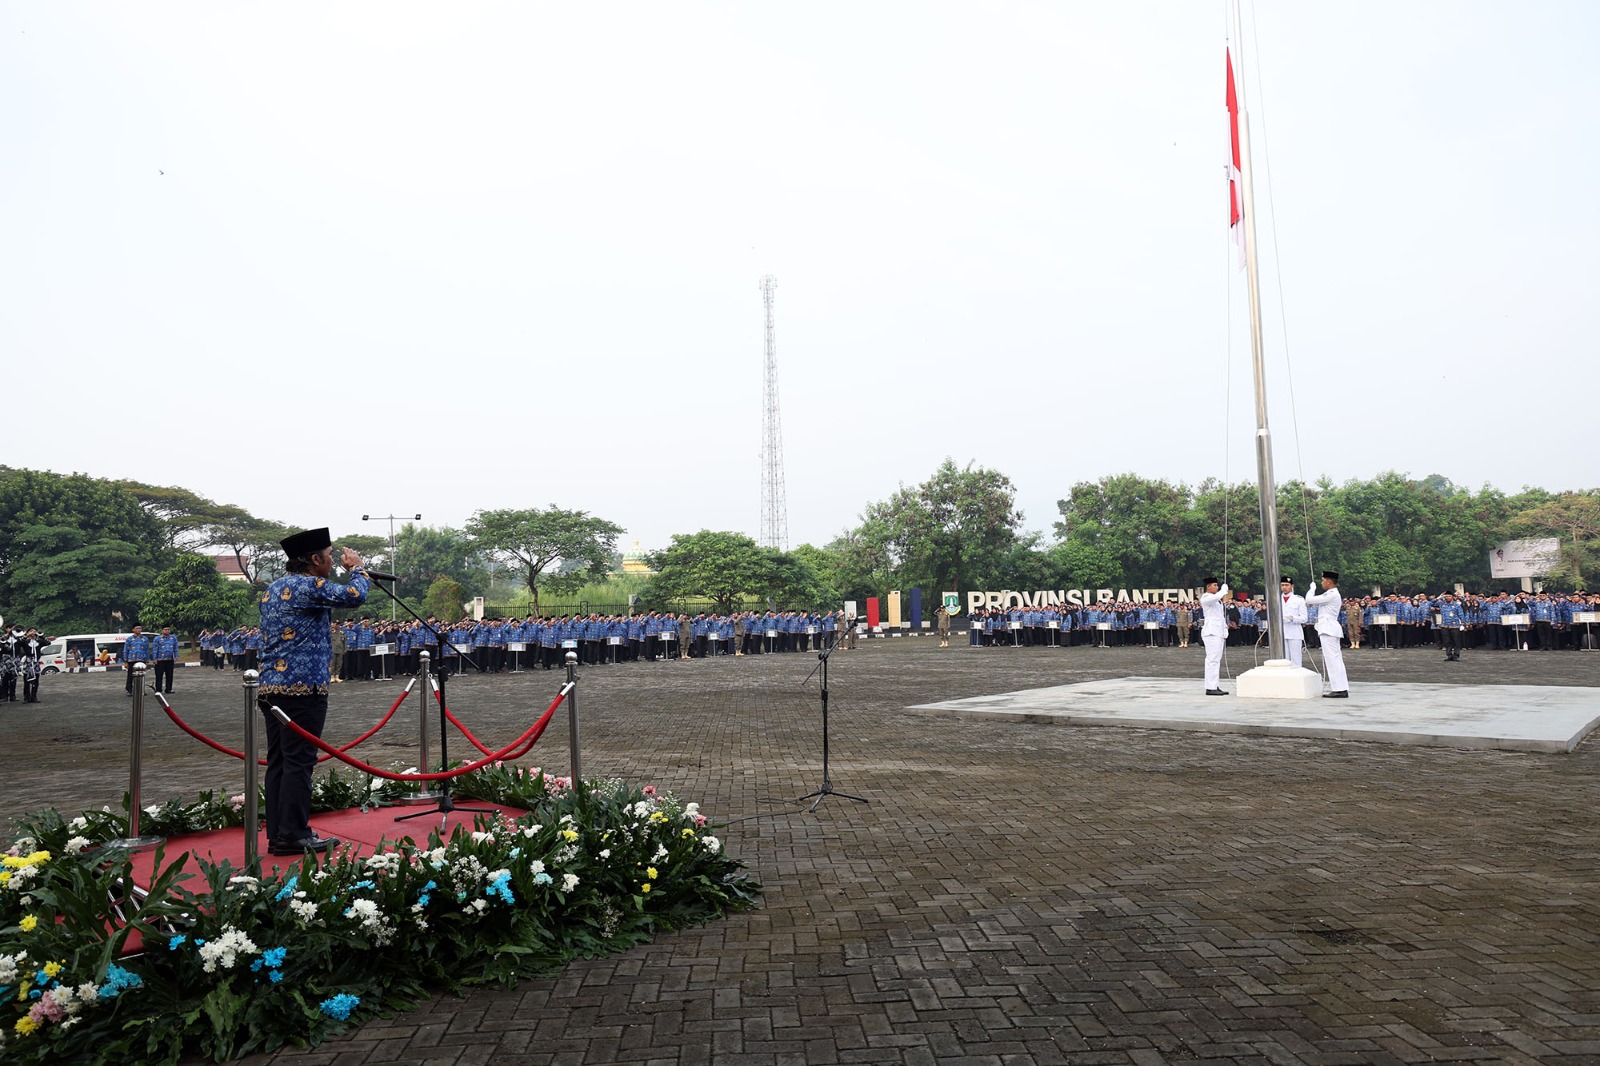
x: 1265, y: 482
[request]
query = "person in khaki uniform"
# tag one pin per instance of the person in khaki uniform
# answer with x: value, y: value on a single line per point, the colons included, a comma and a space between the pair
x: 942, y: 623
x: 336, y: 660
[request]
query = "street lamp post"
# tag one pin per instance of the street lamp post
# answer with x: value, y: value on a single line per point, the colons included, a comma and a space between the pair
x: 394, y: 553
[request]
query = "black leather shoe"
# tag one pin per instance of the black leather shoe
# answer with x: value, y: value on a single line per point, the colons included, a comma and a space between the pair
x: 1215, y: 692
x: 1341, y: 695
x: 301, y: 846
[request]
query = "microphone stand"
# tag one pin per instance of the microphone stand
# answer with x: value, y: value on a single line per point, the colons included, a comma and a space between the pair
x: 446, y: 803
x: 827, y: 788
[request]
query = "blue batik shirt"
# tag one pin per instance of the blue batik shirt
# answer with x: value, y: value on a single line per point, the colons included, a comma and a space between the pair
x: 296, y: 643
x: 136, y: 649
x: 164, y: 647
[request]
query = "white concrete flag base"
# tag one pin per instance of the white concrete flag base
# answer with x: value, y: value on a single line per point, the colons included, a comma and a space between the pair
x: 1279, y: 679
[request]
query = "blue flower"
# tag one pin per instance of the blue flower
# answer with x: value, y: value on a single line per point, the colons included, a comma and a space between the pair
x: 276, y: 976
x: 172, y: 945
x: 542, y: 878
x: 288, y: 889
x: 339, y: 1007
x: 501, y: 887
x: 118, y: 980
x: 363, y: 883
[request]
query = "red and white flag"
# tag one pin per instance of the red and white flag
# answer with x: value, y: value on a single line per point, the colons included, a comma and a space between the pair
x: 1235, y: 191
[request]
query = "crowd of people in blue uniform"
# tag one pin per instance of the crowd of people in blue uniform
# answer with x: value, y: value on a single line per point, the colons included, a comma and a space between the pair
x: 365, y: 648
x: 1393, y: 621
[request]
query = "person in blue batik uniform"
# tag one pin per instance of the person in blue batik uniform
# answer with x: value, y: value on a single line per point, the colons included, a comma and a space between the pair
x: 136, y: 649
x: 296, y: 643
x: 164, y: 653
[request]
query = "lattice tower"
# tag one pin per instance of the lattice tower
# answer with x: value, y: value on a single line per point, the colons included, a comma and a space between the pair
x: 774, y: 507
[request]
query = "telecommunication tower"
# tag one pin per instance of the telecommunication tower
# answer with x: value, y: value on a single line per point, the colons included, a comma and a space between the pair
x: 774, y: 508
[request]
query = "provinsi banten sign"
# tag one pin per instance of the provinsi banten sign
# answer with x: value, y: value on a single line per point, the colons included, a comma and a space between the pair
x: 1006, y: 599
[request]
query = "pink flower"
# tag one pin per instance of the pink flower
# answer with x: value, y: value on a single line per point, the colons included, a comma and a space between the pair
x: 699, y: 820
x: 649, y: 790
x: 47, y: 1009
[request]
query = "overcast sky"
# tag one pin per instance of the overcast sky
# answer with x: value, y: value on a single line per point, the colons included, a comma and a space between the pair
x: 322, y: 260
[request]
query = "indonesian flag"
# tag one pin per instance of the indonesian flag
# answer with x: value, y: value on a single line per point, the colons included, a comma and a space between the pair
x: 1235, y: 203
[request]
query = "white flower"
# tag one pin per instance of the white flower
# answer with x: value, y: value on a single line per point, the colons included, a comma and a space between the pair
x: 532, y: 831
x: 387, y: 862
x: 244, y: 881
x: 225, y: 950
x: 478, y: 905
x: 77, y: 844
x: 10, y: 965
x: 661, y: 853
x: 436, y: 856
x: 79, y: 822
x: 566, y: 818
x: 305, y: 910
x: 711, y: 844
x: 482, y: 838
x: 61, y: 996
x: 88, y: 992
x: 569, y: 882
x: 362, y: 908
x: 605, y: 853
x: 152, y: 810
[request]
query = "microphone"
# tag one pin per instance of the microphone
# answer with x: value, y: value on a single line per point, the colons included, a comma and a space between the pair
x: 380, y: 575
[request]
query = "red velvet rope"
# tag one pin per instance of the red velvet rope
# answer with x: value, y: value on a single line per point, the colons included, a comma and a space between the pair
x: 202, y: 738
x: 514, y: 750
x: 438, y: 697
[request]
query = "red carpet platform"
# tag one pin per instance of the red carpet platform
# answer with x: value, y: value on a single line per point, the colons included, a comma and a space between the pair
x: 359, y: 832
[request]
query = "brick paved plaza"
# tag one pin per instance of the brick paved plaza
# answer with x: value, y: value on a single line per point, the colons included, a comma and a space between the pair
x: 1014, y: 893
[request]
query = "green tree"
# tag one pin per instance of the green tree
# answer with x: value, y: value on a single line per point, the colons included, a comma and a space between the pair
x: 74, y: 550
x: 717, y: 565
x: 190, y: 596
x: 536, y: 541
x: 1573, y: 518
x: 958, y: 526
x: 1139, y: 522
x: 185, y: 516
x: 71, y: 582
x: 252, y: 541
x: 428, y: 552
x: 445, y: 599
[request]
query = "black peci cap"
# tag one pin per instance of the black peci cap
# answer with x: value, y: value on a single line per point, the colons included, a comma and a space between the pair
x: 1331, y: 575
x: 306, y: 543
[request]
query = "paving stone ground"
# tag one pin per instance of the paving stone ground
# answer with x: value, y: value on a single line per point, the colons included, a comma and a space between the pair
x: 1014, y: 893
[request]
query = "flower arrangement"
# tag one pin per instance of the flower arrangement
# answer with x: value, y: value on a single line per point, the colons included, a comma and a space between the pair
x: 257, y: 962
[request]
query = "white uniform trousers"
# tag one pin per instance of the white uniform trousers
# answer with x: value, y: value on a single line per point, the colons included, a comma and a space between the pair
x: 1214, y: 646
x: 1333, y: 655
x: 1294, y: 650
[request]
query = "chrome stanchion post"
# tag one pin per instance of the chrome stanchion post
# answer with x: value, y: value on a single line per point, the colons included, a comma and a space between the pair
x: 133, y: 841
x: 252, y: 790
x: 424, y: 659
x: 572, y: 716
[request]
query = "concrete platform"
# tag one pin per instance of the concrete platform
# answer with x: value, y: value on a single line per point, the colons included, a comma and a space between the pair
x: 1508, y: 717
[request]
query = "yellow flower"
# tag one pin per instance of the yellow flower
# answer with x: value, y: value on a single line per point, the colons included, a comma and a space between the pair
x: 22, y: 991
x: 651, y: 872
x: 26, y: 1025
x: 5, y: 877
x: 644, y: 888
x: 28, y: 922
x: 658, y: 817
x: 687, y: 834
x: 51, y: 969
x: 570, y: 834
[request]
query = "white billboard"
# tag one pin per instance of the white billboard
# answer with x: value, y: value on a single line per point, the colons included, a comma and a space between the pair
x: 1524, y: 558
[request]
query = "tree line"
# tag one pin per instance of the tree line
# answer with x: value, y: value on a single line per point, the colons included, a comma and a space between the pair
x: 79, y: 553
